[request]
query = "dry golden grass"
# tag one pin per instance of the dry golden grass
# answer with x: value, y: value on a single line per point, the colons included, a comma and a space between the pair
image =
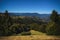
x: 34, y: 36
x: 31, y: 37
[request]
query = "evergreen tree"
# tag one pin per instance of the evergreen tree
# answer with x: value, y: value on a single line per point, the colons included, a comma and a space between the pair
x: 53, y: 26
x: 54, y: 16
x: 6, y: 13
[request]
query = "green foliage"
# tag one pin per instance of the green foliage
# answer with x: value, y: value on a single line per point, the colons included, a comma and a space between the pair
x: 15, y: 28
x: 37, y: 27
x: 18, y: 25
x: 54, y: 16
x: 26, y: 33
x: 42, y: 28
x: 53, y: 26
x: 4, y: 24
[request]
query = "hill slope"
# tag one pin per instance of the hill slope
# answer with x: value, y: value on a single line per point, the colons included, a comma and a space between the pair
x: 42, y: 36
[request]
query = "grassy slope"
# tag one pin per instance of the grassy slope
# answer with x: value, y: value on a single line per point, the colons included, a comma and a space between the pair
x: 33, y: 32
x: 34, y: 36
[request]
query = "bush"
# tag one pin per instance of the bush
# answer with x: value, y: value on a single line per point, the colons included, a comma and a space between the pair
x: 26, y: 33
x: 52, y: 29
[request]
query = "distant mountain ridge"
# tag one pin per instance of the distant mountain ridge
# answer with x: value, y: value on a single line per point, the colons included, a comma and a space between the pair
x: 42, y: 16
x: 29, y: 14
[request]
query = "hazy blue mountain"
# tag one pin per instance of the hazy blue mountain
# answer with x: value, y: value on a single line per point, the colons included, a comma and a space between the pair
x: 30, y: 14
x: 42, y: 16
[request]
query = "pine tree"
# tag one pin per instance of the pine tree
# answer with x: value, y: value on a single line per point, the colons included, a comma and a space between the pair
x: 6, y: 13
x: 54, y: 16
x: 53, y: 26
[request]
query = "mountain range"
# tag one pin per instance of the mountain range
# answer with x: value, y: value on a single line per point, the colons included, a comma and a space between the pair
x: 30, y: 14
x: 42, y: 16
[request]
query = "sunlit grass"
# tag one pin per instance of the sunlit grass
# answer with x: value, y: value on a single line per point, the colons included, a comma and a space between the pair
x: 33, y: 32
x: 35, y: 35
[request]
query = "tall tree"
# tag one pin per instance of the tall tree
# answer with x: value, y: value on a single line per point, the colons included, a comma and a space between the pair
x: 53, y: 26
x: 54, y: 16
x: 6, y: 13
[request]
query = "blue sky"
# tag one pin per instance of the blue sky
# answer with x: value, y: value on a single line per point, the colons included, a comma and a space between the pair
x: 39, y: 6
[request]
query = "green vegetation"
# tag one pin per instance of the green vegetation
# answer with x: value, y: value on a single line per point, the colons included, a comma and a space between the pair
x: 11, y: 25
x: 53, y: 26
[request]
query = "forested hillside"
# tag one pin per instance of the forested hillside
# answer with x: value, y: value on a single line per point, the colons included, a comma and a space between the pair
x: 12, y: 25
